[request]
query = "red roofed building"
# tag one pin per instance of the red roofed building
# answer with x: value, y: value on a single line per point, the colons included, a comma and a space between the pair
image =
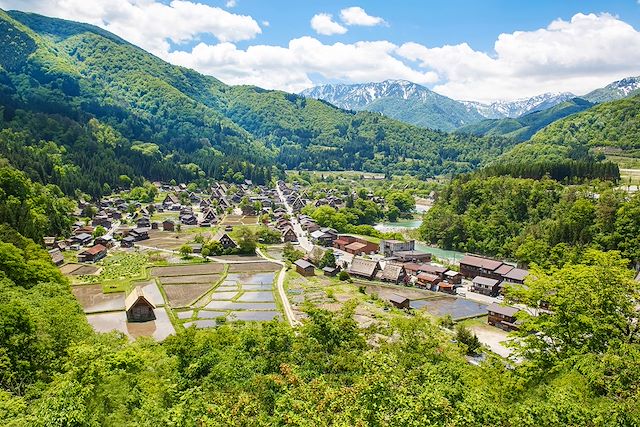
x: 93, y: 254
x: 427, y: 281
x: 355, y: 245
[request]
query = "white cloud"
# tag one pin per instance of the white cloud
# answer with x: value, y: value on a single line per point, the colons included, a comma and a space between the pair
x: 265, y: 23
x: 290, y: 67
x: 149, y: 24
x: 231, y: 3
x: 357, y: 16
x: 579, y: 55
x: 323, y: 23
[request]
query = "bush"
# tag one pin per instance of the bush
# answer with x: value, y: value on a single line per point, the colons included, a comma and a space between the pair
x: 343, y: 275
x: 468, y: 338
x: 186, y: 250
x: 446, y: 321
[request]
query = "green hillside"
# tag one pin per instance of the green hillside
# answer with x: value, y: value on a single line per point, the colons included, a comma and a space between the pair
x: 613, y: 124
x: 64, y: 74
x: 523, y: 128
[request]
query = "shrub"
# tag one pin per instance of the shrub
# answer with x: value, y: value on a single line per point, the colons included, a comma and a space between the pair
x: 468, y: 338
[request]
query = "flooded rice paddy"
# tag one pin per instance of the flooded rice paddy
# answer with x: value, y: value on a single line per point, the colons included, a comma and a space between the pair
x: 458, y: 308
x: 159, y: 329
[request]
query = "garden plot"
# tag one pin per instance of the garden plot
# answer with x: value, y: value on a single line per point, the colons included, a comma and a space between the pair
x: 201, y: 278
x: 93, y: 300
x: 159, y: 329
x: 182, y: 295
x: 188, y: 269
x: 120, y: 267
x: 239, y: 220
x: 166, y: 240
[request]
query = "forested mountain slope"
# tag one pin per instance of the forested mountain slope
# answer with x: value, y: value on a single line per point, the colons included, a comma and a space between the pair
x: 151, y: 116
x: 524, y: 127
x: 612, y: 124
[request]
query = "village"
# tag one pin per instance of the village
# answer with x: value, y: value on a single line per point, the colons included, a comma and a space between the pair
x: 148, y: 269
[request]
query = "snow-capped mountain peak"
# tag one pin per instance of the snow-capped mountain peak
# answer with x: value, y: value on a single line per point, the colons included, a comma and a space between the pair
x: 518, y: 107
x: 358, y: 96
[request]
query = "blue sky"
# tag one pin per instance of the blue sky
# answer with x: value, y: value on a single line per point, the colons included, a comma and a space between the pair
x: 476, y: 50
x: 432, y: 23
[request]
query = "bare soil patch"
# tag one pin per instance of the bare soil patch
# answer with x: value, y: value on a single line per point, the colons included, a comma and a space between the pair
x: 79, y: 269
x: 188, y: 269
x: 183, y: 295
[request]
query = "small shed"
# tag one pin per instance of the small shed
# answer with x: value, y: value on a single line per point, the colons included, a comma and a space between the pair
x: 139, y: 307
x: 330, y: 271
x: 304, y: 267
x: 168, y: 225
x: 127, y: 242
x: 399, y: 301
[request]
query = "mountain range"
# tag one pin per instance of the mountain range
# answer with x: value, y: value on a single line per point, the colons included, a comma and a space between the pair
x: 401, y: 100
x: 524, y: 127
x: 418, y: 105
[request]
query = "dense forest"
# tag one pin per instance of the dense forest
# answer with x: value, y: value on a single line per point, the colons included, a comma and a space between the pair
x: 529, y: 220
x: 54, y: 371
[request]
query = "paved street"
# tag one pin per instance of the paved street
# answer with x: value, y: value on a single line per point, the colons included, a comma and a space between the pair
x: 303, y: 241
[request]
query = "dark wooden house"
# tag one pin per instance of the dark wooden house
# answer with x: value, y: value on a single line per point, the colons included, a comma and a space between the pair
x: 364, y: 268
x: 224, y: 239
x: 503, y: 317
x: 485, y: 286
x: 472, y: 266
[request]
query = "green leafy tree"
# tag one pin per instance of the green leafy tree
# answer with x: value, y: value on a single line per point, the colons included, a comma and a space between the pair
x: 468, y: 339
x: 99, y: 231
x: 592, y: 306
x: 247, y: 241
x: 327, y: 260
x: 186, y: 250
